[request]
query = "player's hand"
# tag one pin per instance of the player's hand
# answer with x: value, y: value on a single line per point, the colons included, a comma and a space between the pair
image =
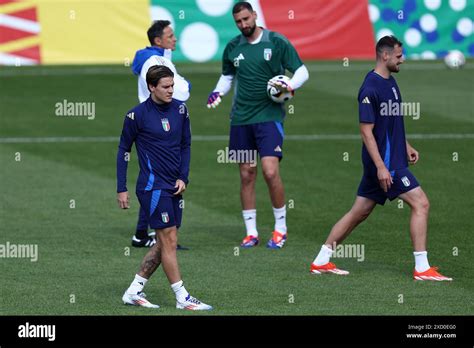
x: 214, y: 99
x: 123, y: 201
x: 385, y: 179
x: 281, y: 86
x: 413, y: 155
x: 181, y: 187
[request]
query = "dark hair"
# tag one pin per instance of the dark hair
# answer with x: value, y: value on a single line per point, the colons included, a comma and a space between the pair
x: 242, y: 5
x: 387, y: 43
x: 156, y: 30
x: 156, y: 73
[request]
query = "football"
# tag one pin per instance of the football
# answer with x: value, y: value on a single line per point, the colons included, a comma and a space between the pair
x: 455, y: 59
x: 276, y: 95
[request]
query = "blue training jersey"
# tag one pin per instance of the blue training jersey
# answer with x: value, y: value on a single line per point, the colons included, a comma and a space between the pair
x: 380, y: 103
x: 162, y: 137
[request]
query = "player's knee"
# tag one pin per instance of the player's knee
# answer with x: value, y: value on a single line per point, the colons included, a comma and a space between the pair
x: 170, y: 242
x: 248, y: 176
x: 423, y: 205
x: 168, y: 238
x: 360, y: 215
x: 363, y: 215
x: 270, y: 174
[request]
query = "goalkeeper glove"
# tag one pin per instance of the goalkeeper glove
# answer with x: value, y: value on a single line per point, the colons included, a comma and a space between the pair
x: 280, y: 86
x: 214, y: 99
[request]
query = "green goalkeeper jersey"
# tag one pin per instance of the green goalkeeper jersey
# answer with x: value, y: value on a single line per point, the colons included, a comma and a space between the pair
x: 252, y: 65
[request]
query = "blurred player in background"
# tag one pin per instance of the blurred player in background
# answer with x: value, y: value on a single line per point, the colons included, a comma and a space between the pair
x: 160, y: 129
x: 163, y: 42
x: 385, y: 157
x: 252, y: 59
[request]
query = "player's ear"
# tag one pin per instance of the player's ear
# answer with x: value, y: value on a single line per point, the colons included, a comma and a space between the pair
x: 157, y: 41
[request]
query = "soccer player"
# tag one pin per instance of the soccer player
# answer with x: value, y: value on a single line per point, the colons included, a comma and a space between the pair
x: 385, y: 157
x: 163, y: 42
x: 160, y: 129
x: 252, y: 59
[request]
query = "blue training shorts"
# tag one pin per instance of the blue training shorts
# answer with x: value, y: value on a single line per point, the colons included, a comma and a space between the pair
x: 265, y: 137
x: 403, y: 181
x: 162, y: 211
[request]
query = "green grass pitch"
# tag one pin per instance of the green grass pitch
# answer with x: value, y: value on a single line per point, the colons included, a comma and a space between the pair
x: 83, y: 266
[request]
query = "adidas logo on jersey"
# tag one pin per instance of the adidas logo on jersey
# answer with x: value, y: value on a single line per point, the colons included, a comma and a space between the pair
x: 238, y: 59
x: 366, y: 100
x: 131, y: 115
x: 395, y: 93
x: 277, y: 149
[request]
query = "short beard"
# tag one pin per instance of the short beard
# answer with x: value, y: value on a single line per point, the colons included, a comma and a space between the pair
x: 252, y: 30
x: 394, y: 69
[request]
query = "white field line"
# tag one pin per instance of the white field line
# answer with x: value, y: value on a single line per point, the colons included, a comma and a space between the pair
x: 294, y: 137
x: 187, y: 68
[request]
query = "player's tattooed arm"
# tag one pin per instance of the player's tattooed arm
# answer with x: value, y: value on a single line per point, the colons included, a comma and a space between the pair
x: 385, y: 179
x: 413, y: 155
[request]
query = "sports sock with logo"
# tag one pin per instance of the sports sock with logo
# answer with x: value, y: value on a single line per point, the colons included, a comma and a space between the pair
x: 137, y: 285
x: 250, y: 220
x: 421, y: 261
x: 179, y: 291
x: 324, y: 256
x: 280, y: 219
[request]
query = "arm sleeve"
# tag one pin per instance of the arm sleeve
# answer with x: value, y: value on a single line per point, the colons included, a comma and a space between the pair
x: 367, y: 106
x: 129, y: 134
x: 300, y: 76
x: 181, y: 88
x: 143, y: 92
x: 185, y: 149
x: 224, y: 84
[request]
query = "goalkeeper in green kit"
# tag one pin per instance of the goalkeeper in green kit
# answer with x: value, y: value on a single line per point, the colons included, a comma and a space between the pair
x: 252, y: 59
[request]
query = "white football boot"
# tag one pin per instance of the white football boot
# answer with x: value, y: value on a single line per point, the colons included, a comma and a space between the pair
x: 193, y: 304
x: 137, y: 300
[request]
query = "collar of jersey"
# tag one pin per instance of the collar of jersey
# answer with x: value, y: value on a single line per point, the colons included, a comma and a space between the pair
x: 161, y: 107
